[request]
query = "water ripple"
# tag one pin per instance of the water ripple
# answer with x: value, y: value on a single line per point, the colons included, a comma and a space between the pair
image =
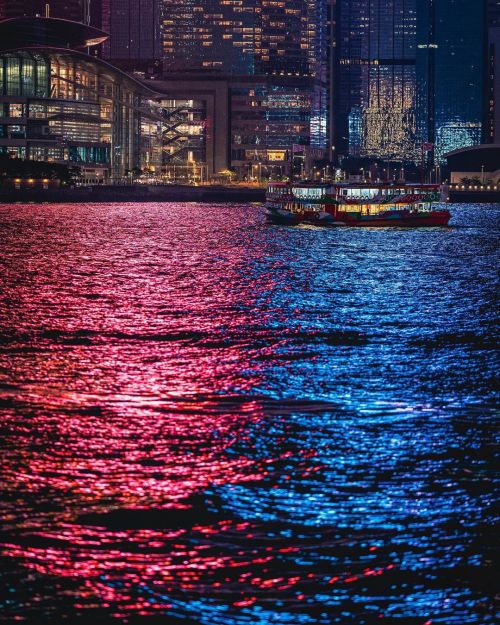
x: 211, y: 421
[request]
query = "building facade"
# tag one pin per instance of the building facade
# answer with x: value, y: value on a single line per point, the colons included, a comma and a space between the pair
x: 374, y: 79
x: 75, y: 10
x: 451, y: 65
x: 493, y: 12
x: 270, y: 122
x: 184, y: 139
x: 195, y: 124
x: 59, y: 104
x: 210, y: 35
x: 252, y: 125
x: 134, y: 28
x: 409, y: 77
x: 493, y: 84
x: 274, y: 54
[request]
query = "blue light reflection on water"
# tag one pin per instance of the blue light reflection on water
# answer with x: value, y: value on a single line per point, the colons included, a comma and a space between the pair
x: 220, y: 422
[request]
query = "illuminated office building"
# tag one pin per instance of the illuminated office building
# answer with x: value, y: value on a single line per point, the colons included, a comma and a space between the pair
x: 374, y: 77
x: 451, y: 65
x: 249, y: 123
x: 269, y: 121
x: 273, y: 39
x: 268, y: 37
x: 210, y: 35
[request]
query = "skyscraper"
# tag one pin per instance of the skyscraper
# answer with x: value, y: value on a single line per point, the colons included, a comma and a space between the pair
x: 210, y: 35
x: 493, y: 95
x: 134, y: 28
x: 451, y: 66
x: 266, y: 37
x: 282, y: 42
x: 374, y: 78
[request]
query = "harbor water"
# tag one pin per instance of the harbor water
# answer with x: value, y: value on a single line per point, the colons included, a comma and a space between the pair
x: 209, y: 420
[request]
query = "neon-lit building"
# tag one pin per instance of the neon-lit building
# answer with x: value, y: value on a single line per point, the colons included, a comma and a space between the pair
x: 59, y: 104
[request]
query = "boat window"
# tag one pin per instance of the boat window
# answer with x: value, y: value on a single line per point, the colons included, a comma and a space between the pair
x: 309, y: 193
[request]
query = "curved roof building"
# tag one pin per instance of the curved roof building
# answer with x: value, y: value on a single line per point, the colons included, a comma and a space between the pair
x: 475, y: 157
x: 47, y: 32
x: 60, y: 104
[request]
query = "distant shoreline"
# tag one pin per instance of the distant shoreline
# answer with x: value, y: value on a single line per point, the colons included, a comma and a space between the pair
x: 181, y: 193
x: 135, y: 193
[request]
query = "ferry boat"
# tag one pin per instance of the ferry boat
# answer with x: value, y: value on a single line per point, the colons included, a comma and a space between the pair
x: 345, y: 204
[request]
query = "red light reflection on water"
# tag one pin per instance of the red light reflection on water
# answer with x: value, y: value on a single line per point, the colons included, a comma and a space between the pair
x: 152, y: 459
x: 133, y: 460
x: 116, y: 577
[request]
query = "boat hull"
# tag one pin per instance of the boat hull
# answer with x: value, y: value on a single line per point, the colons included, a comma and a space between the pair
x: 430, y: 219
x: 433, y: 219
x: 282, y: 217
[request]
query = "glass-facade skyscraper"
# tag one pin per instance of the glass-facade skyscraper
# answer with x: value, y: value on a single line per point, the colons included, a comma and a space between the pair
x: 451, y: 68
x: 374, y: 78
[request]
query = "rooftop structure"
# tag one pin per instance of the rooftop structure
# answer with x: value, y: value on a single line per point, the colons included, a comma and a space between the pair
x: 480, y: 163
x: 41, y: 32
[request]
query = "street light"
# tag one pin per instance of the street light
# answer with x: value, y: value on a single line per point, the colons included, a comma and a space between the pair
x: 482, y: 175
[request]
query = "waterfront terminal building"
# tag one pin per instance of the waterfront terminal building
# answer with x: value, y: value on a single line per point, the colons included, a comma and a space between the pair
x: 59, y: 103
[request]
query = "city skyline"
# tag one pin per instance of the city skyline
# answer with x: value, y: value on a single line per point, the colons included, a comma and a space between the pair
x: 396, y: 80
